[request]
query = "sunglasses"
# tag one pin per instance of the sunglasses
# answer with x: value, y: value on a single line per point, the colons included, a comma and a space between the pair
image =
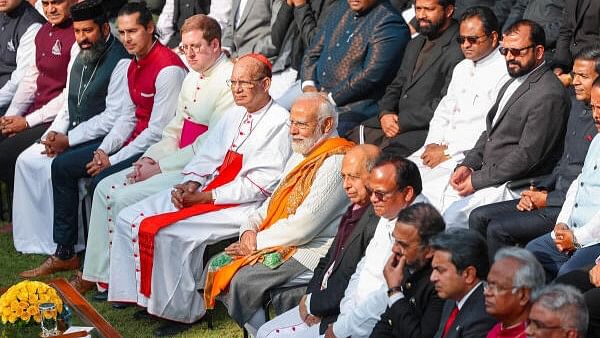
x: 471, y: 39
x: 514, y: 51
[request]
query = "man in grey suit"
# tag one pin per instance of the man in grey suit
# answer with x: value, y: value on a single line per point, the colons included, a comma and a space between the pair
x: 524, y: 129
x: 460, y: 264
x: 249, y: 28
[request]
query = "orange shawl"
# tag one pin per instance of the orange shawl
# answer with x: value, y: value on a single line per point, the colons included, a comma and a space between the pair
x: 284, y: 202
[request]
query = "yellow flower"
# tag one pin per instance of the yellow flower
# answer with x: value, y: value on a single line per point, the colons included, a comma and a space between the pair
x: 50, y: 314
x: 23, y: 296
x: 33, y: 298
x: 6, y: 311
x: 44, y: 298
x: 31, y: 287
x: 4, y: 319
x: 25, y: 317
x: 33, y: 310
x: 12, y: 318
x: 23, y: 305
x: 37, y: 318
x: 14, y: 305
x: 18, y: 312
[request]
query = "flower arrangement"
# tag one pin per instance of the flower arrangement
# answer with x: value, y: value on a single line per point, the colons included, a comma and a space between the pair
x: 20, y: 303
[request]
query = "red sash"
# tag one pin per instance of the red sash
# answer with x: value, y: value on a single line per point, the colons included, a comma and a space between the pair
x: 150, y: 226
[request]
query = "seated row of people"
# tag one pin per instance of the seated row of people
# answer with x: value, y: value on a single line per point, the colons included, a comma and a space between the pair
x: 243, y: 160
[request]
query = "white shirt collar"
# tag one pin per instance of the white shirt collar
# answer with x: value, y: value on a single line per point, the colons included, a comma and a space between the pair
x: 461, y: 302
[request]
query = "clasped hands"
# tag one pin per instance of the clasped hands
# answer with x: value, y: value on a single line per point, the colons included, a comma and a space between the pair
x: 11, y: 125
x: 245, y: 246
x: 98, y: 163
x: 187, y: 194
x: 143, y: 169
x: 434, y: 154
x: 461, y: 181
x: 55, y: 143
x: 532, y: 199
x: 564, y: 238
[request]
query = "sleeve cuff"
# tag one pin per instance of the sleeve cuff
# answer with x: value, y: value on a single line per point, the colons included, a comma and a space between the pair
x: 330, y: 97
x: 33, y: 120
x: 307, y: 83
x: 307, y: 303
x: 394, y: 298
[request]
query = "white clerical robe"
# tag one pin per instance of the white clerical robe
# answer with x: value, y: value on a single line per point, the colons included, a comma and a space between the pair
x: 33, y: 206
x: 263, y: 140
x: 204, y: 99
x: 459, y: 119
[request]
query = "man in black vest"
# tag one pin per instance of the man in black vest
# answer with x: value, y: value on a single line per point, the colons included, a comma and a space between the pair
x: 19, y: 23
x: 97, y: 81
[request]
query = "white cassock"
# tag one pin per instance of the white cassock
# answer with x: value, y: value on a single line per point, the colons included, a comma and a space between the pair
x: 33, y: 207
x: 459, y: 120
x: 263, y: 140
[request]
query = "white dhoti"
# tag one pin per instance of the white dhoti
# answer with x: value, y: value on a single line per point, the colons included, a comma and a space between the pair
x: 112, y: 195
x: 288, y: 324
x: 435, y: 180
x: 178, y: 256
x: 33, y: 207
x: 457, y: 210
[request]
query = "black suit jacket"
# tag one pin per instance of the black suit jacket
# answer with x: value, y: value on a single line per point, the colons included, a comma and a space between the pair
x: 415, y: 98
x: 471, y: 322
x: 326, y: 303
x: 417, y: 314
x: 527, y: 138
x: 580, y: 27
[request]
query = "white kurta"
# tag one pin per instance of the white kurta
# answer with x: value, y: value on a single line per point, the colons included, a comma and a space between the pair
x: 33, y: 207
x: 459, y: 119
x: 178, y: 248
x: 204, y: 99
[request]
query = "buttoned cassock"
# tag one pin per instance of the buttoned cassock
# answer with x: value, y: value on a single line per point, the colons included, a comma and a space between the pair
x: 354, y: 56
x: 32, y: 199
x: 204, y: 99
x: 178, y: 248
x: 459, y: 118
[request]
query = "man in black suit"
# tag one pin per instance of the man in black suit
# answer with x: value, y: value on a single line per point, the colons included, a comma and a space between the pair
x: 580, y: 27
x: 524, y: 129
x: 460, y: 264
x: 422, y: 80
x: 518, y: 221
x: 414, y: 307
x: 320, y: 305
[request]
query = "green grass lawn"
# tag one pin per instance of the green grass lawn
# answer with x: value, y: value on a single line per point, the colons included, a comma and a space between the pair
x: 13, y: 262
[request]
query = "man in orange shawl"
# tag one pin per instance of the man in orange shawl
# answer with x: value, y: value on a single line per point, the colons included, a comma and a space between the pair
x: 282, y: 242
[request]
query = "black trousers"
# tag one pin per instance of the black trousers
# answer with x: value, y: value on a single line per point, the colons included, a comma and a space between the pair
x: 591, y: 294
x: 503, y: 225
x: 67, y: 169
x: 12, y: 147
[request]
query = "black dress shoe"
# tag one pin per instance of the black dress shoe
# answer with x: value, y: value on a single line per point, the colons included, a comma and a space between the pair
x: 121, y: 306
x: 143, y: 315
x: 171, y: 328
x: 101, y: 296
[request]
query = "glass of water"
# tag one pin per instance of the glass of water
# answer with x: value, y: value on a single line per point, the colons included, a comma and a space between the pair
x: 48, y: 314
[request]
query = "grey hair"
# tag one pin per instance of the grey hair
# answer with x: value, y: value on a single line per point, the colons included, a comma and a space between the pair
x: 326, y: 108
x: 567, y: 302
x: 530, y: 273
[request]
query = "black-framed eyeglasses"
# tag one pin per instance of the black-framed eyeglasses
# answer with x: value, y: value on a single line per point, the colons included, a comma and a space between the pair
x: 473, y: 39
x: 245, y: 84
x: 514, y: 51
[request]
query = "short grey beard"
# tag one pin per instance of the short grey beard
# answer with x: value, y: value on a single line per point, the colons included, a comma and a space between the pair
x: 305, y: 146
x: 92, y: 55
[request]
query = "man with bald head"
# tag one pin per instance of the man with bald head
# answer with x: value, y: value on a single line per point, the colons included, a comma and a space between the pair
x: 320, y: 305
x: 238, y: 166
x: 288, y: 235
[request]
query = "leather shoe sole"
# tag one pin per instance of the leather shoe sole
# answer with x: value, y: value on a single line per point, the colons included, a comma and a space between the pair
x: 101, y: 296
x: 51, y: 265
